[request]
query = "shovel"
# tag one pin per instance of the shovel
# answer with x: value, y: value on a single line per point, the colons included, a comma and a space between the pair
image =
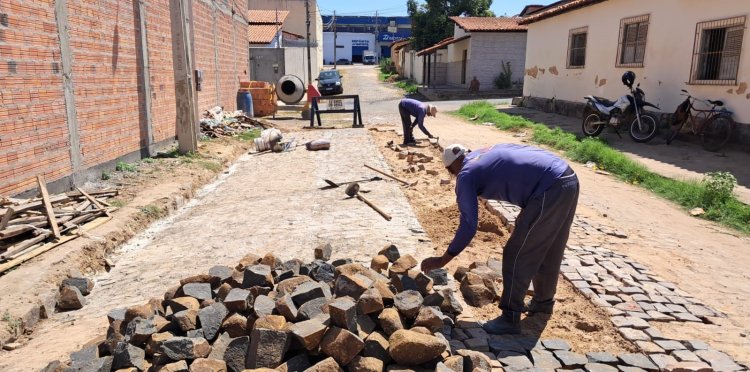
x: 332, y: 184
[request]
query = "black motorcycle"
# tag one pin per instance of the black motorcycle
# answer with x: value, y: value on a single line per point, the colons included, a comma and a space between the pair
x: 601, y: 112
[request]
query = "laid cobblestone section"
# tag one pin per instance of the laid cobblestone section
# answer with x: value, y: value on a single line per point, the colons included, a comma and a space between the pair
x: 633, y: 297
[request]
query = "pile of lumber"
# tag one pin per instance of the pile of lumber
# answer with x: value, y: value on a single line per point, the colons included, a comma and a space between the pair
x: 27, y: 224
x: 217, y: 123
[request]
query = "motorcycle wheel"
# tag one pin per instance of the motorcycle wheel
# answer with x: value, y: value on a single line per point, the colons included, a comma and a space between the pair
x: 589, y: 126
x: 646, y: 131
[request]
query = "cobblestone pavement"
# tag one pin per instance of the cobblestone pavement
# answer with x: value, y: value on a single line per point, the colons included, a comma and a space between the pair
x: 634, y: 298
x: 267, y: 203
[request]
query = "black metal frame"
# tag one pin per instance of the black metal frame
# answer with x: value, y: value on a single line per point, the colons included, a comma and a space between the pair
x: 315, y: 110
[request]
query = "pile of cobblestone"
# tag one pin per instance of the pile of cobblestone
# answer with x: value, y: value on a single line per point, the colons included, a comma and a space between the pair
x: 265, y: 314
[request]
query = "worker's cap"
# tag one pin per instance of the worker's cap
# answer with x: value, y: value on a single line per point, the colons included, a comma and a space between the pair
x: 453, y: 152
x: 431, y: 110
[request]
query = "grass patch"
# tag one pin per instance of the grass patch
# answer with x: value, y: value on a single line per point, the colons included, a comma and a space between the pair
x: 249, y: 135
x: 117, y: 203
x: 152, y: 211
x: 713, y: 194
x: 409, y: 86
x: 13, y: 324
x: 125, y: 167
x: 210, y: 165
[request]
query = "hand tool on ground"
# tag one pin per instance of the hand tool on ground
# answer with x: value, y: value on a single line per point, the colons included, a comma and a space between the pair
x: 332, y: 184
x: 387, y: 175
x: 353, y: 191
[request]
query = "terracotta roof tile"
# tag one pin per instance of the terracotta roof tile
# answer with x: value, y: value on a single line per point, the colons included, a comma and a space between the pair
x: 557, y: 8
x: 261, y: 34
x: 442, y: 44
x: 489, y: 24
x: 266, y: 16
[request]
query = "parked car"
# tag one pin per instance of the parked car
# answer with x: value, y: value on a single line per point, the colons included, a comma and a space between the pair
x: 329, y: 82
x: 343, y: 61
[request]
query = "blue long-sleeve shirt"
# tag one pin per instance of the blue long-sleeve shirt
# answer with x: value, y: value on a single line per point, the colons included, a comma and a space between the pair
x: 507, y: 172
x: 418, y: 110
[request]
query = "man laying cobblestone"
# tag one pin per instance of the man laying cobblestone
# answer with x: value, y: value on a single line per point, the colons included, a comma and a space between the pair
x: 408, y: 107
x: 546, y: 188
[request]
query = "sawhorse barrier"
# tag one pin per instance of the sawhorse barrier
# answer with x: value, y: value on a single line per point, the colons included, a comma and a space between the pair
x: 334, y: 108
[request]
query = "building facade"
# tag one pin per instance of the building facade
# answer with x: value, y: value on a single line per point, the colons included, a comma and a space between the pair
x: 385, y: 30
x: 581, y: 47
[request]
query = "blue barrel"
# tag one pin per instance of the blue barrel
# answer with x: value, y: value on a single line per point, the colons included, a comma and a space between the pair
x: 245, y: 103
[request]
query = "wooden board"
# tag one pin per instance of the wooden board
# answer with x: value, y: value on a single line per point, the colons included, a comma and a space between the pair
x: 93, y: 200
x: 48, y: 206
x: 9, y: 212
x: 37, y: 251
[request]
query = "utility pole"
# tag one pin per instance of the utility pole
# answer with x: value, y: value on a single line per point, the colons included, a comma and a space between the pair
x: 335, y: 45
x: 309, y: 61
x: 377, y: 34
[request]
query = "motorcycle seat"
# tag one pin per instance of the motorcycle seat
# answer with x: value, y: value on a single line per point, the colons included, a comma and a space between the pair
x: 603, y: 101
x: 717, y: 103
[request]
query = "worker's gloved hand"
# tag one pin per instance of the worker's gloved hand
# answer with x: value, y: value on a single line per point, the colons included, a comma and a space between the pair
x: 433, y: 263
x: 431, y: 136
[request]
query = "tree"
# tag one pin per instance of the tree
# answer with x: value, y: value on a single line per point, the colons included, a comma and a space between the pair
x: 430, y: 22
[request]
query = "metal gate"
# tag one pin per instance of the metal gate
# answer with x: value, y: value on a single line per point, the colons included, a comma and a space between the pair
x: 267, y: 64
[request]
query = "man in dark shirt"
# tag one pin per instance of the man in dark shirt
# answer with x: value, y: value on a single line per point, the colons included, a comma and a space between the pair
x: 547, y: 190
x: 410, y: 107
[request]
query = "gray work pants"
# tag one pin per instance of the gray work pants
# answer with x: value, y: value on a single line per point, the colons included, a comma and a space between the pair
x: 535, y: 249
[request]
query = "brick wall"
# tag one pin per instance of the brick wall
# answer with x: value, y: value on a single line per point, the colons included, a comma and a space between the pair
x: 108, y: 81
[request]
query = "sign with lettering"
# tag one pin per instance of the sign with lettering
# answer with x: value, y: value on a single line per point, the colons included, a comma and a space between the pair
x: 361, y: 43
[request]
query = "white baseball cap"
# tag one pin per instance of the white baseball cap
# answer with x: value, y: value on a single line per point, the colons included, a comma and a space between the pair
x: 453, y: 152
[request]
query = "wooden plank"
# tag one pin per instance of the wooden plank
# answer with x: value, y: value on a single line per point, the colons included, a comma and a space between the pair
x: 9, y: 212
x: 29, y: 207
x: 99, y: 193
x: 18, y: 249
x: 37, y: 251
x: 93, y: 200
x: 48, y: 206
x: 15, y: 230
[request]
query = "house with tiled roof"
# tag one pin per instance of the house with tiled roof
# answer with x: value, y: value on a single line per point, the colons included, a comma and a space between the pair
x: 583, y: 47
x: 279, y: 37
x: 478, y: 49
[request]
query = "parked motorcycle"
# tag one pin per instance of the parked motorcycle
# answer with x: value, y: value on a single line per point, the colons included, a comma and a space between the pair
x: 601, y: 112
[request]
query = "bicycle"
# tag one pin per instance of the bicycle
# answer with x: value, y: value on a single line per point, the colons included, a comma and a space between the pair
x: 714, y: 126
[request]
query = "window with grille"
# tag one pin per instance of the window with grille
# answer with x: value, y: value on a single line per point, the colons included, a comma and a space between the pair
x: 577, y: 47
x: 716, y: 52
x: 632, y: 48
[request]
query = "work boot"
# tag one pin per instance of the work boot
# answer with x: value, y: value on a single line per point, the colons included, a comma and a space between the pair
x: 544, y: 307
x: 509, y: 323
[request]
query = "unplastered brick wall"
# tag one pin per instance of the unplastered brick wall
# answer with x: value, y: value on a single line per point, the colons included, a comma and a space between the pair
x: 33, y: 131
x: 108, y: 108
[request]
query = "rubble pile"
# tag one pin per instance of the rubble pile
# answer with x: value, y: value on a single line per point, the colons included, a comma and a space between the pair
x: 265, y: 314
x: 25, y: 223
x: 216, y: 123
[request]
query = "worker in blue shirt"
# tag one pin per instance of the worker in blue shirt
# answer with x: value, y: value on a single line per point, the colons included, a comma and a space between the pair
x: 546, y: 189
x: 408, y: 107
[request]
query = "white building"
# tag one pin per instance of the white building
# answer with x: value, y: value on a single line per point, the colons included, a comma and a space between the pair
x: 349, y: 45
x: 582, y: 47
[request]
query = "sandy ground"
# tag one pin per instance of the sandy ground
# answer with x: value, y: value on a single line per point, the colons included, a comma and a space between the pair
x: 585, y: 326
x: 702, y: 258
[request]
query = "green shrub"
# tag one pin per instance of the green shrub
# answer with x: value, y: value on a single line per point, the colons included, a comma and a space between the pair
x: 503, y: 81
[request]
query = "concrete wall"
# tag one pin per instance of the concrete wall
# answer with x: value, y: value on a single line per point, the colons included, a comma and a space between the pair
x: 296, y: 23
x: 667, y: 62
x: 455, y: 58
x: 106, y: 114
x: 413, y: 66
x: 489, y: 50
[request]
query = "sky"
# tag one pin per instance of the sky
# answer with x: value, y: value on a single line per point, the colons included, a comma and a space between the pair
x: 398, y: 7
